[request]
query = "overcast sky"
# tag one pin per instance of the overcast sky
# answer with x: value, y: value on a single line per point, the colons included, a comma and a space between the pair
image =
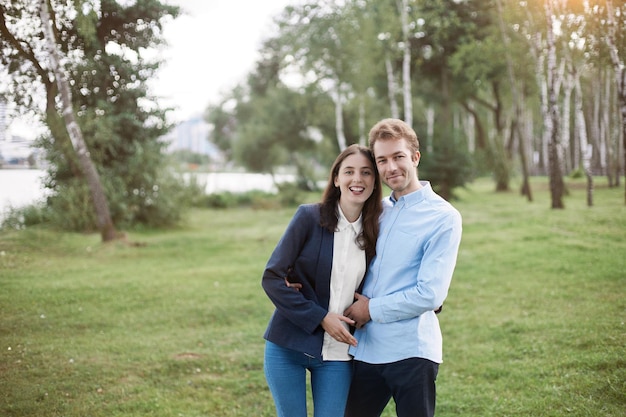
x: 212, y: 46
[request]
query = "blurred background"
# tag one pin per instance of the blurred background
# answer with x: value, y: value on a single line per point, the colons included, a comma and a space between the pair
x: 240, y: 95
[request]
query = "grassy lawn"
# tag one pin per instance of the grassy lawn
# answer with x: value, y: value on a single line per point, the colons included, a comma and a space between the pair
x: 534, y: 324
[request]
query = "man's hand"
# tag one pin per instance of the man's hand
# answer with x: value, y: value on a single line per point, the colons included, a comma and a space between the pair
x: 332, y: 325
x: 359, y: 311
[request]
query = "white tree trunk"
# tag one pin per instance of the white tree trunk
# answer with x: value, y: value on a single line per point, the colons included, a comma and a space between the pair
x: 469, y: 129
x: 392, y: 89
x: 545, y: 111
x: 101, y: 206
x: 430, y: 128
x: 362, y: 132
x: 341, y: 137
x: 565, y: 118
x: 620, y: 75
x: 538, y: 51
x: 596, y: 118
x: 604, y: 140
x: 581, y: 128
x: 406, y: 62
x: 556, y: 177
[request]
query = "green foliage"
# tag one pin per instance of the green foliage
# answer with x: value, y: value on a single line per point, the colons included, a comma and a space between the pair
x: 449, y: 166
x: 271, y: 128
x: 140, y: 188
x: 70, y: 209
x: 120, y: 123
x: 577, y: 173
x: 341, y: 51
x: 447, y: 27
x: 220, y: 200
x: 186, y: 158
x: 277, y: 122
x: 20, y: 218
x: 289, y: 195
x: 170, y: 323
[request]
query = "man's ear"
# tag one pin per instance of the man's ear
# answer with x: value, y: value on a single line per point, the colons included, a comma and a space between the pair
x: 416, y: 158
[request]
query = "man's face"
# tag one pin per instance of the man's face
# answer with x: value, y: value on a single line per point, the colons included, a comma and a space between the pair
x: 397, y: 165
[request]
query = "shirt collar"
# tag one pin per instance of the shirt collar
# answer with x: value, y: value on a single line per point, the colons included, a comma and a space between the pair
x: 414, y: 197
x: 343, y: 223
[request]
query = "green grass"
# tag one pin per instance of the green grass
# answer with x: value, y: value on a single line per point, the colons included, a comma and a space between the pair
x: 534, y: 324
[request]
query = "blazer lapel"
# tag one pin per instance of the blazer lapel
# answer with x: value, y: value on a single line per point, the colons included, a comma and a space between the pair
x: 324, y: 267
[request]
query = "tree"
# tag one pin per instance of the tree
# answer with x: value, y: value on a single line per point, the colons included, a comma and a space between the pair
x: 557, y: 188
x: 103, y: 45
x: 581, y: 127
x: 496, y: 85
x: 333, y: 47
x: 264, y: 124
x: 619, y: 67
x: 311, y: 38
x: 101, y: 205
x: 517, y: 102
x: 447, y: 31
x: 403, y: 8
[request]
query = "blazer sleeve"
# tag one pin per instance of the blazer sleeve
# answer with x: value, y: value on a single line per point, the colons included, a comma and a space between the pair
x: 299, y: 307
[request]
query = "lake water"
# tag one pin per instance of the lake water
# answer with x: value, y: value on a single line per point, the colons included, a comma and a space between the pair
x: 20, y: 187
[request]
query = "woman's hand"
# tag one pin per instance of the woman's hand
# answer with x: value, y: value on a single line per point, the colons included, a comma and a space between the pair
x: 295, y: 285
x: 333, y: 325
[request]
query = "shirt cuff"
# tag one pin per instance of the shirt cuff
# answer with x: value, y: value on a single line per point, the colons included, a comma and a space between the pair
x: 376, y: 310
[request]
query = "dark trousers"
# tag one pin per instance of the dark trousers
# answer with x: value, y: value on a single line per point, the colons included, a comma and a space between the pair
x: 411, y: 383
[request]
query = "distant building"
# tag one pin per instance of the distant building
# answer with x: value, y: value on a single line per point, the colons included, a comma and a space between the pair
x: 17, y: 152
x: 3, y: 120
x: 193, y: 135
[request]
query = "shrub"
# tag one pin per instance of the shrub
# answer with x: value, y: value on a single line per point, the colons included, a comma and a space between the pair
x: 22, y: 217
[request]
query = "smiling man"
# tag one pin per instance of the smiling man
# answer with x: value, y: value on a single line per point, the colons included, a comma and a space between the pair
x: 399, y: 340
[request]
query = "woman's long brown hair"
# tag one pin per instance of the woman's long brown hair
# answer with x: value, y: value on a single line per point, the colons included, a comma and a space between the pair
x: 329, y: 216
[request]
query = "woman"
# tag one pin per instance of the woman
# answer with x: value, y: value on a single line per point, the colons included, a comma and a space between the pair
x: 311, y: 278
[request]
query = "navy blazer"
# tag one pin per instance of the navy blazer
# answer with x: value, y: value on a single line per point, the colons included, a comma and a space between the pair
x: 305, y: 254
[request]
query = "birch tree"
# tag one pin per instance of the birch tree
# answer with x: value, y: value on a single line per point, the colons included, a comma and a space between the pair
x: 106, y: 61
x: 387, y: 40
x: 403, y: 8
x: 620, y: 72
x: 517, y: 103
x: 392, y: 89
x: 581, y: 129
x: 313, y: 37
x: 557, y: 187
x: 99, y: 200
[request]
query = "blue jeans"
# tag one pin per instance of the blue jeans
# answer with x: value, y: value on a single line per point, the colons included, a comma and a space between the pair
x: 285, y: 372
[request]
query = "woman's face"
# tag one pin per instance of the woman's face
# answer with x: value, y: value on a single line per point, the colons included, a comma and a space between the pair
x: 355, y: 179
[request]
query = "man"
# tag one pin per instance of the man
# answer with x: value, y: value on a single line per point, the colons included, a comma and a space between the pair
x: 399, y: 340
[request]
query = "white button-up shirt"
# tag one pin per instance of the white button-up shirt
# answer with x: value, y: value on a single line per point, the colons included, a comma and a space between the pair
x: 349, y: 264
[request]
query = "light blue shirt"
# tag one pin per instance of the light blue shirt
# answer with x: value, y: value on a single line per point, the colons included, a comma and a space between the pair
x: 409, y: 278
